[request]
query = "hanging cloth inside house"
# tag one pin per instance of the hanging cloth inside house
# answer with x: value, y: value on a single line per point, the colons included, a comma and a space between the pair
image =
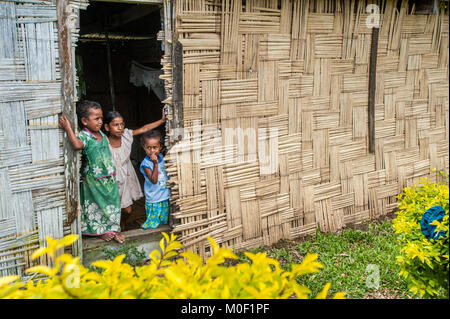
x: 432, y: 214
x: 141, y: 75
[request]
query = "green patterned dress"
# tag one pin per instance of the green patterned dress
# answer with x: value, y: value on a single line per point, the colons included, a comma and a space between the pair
x: 99, y: 194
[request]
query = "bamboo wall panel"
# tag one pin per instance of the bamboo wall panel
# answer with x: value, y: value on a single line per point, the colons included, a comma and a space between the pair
x: 32, y: 179
x: 276, y: 109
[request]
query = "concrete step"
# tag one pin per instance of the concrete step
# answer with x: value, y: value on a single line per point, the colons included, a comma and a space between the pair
x: 147, y: 240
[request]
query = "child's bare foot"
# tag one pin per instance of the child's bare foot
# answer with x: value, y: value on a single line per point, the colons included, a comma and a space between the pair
x: 119, y: 238
x: 107, y: 236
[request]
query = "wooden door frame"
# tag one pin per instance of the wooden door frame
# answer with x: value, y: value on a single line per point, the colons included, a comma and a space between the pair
x: 67, y: 20
x: 68, y: 17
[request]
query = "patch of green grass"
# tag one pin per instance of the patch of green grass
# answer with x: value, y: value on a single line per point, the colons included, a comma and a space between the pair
x: 354, y: 261
x: 133, y: 255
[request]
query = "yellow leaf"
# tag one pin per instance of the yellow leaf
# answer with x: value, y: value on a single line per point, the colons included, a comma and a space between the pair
x: 41, y: 251
x: 105, y: 264
x: 65, y: 258
x: 174, y: 278
x: 42, y: 270
x: 323, y: 293
x: 213, y: 244
x: 92, y: 276
x: 166, y: 237
x: 173, y: 245
x: 301, y: 291
x: 51, y: 243
x: 118, y: 260
x: 161, y: 245
x: 309, y: 265
x: 67, y: 240
x: 7, y: 280
x: 155, y: 255
x: 192, y: 257
x: 225, y: 293
x: 339, y: 295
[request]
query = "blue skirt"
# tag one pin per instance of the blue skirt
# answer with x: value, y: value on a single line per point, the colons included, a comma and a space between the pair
x: 157, y: 214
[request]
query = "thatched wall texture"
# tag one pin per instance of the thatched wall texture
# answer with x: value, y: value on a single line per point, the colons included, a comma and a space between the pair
x: 275, y: 111
x: 35, y: 171
x: 274, y: 99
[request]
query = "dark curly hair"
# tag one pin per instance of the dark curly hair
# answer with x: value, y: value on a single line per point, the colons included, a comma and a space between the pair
x: 83, y: 109
x: 154, y: 134
x: 111, y: 115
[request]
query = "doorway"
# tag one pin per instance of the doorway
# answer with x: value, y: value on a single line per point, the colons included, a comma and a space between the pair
x: 118, y: 62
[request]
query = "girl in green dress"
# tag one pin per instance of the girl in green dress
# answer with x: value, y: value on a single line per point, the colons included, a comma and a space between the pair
x: 99, y: 194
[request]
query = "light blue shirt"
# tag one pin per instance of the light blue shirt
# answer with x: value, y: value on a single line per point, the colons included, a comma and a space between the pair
x: 158, y: 192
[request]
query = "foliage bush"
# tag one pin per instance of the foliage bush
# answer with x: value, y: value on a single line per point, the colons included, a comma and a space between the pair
x: 170, y: 274
x: 424, y: 263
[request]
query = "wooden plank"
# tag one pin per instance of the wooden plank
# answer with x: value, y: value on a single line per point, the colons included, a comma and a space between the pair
x: 68, y: 98
x: 372, y: 88
x: 5, y: 195
x: 8, y: 32
x: 13, y: 124
x: 177, y: 90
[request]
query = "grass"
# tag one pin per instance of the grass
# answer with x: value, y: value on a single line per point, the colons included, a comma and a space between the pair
x: 351, y: 260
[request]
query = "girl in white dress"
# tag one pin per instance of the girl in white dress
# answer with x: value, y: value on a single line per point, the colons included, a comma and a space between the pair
x: 120, y: 140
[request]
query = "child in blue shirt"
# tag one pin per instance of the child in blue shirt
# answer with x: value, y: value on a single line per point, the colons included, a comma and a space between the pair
x: 156, y: 193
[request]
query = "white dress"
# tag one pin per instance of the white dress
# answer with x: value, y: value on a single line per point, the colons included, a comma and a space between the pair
x: 127, y: 180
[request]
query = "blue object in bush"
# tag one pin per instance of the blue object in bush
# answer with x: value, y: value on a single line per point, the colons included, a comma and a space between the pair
x: 432, y: 214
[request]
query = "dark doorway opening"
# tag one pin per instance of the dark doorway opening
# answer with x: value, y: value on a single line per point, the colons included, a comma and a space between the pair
x: 121, y: 81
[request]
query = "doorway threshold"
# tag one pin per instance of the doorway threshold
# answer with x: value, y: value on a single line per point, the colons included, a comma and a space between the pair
x: 146, y: 240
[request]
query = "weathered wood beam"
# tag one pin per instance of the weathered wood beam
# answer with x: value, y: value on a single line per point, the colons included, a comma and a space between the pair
x: 177, y: 90
x: 110, y: 74
x: 372, y: 88
x: 68, y: 97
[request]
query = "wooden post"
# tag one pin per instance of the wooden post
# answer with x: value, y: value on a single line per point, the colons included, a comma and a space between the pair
x: 177, y: 81
x: 110, y: 73
x: 177, y: 89
x: 108, y: 60
x: 166, y: 13
x: 68, y: 98
x: 372, y: 88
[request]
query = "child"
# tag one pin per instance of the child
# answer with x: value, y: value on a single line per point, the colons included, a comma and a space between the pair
x: 120, y: 140
x: 156, y: 193
x: 99, y: 194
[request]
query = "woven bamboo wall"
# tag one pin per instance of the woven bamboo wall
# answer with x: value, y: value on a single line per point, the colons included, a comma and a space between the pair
x: 32, y: 164
x: 276, y: 116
